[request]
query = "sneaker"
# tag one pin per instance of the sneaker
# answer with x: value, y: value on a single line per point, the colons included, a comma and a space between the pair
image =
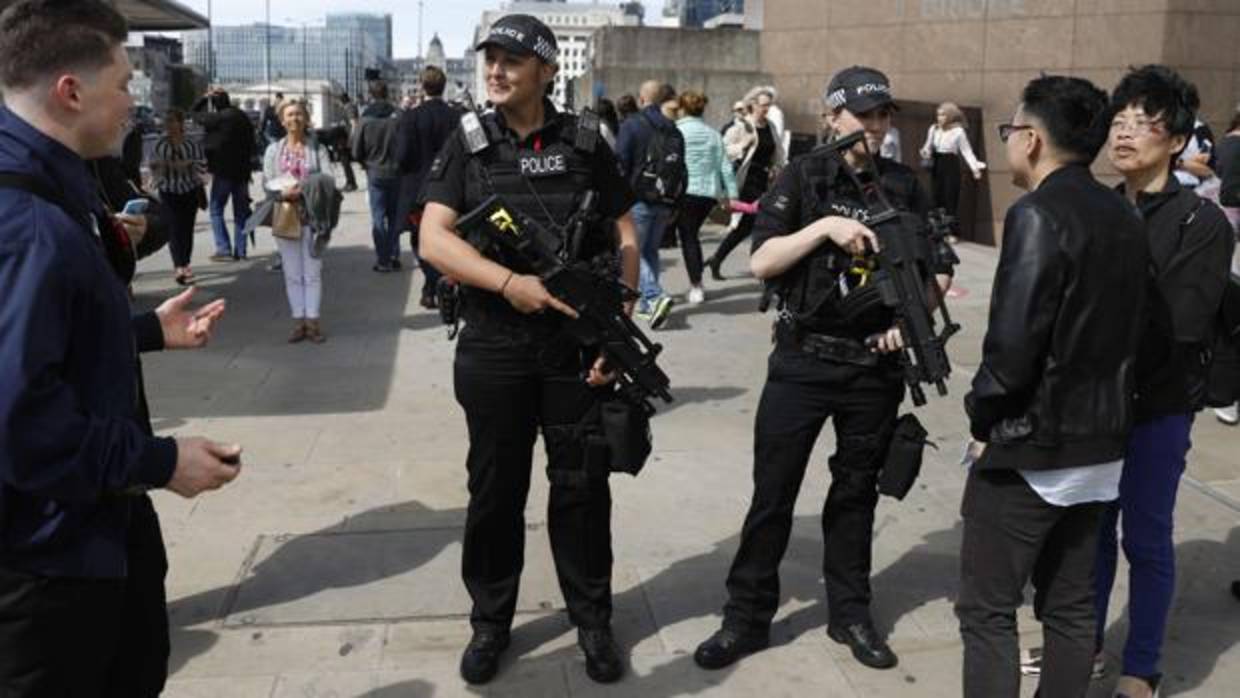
x: 1228, y: 415
x: 1031, y: 663
x: 660, y: 311
x: 382, y: 267
x: 221, y: 257
x: 276, y: 264
x: 696, y: 295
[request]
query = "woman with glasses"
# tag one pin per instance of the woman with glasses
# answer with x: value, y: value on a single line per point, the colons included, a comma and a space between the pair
x: 947, y: 143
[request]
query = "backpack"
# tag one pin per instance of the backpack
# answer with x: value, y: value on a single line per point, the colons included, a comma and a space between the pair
x: 662, y: 177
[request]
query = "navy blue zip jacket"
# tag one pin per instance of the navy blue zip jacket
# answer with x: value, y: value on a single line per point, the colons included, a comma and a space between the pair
x: 634, y: 138
x: 70, y: 441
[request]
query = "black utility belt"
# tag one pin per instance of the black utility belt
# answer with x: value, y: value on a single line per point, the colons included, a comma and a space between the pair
x: 845, y: 350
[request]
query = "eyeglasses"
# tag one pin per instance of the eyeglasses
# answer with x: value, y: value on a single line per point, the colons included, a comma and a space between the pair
x: 1137, y: 127
x: 1006, y: 130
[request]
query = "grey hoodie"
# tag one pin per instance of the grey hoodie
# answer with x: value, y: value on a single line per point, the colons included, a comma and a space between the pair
x: 374, y: 141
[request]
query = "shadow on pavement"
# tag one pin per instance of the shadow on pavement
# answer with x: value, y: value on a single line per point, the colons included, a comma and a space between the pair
x: 697, y: 394
x: 250, y: 369
x: 1205, y: 618
x: 297, y: 569
x: 693, y: 588
x: 405, y: 689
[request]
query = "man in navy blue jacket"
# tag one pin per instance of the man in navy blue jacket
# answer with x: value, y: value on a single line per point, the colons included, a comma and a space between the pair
x: 651, y: 218
x: 71, y: 446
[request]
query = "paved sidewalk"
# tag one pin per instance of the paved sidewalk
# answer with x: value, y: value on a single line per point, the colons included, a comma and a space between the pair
x: 330, y: 567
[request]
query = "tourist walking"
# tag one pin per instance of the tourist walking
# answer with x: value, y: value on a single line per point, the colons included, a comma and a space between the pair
x: 710, y: 179
x: 178, y: 166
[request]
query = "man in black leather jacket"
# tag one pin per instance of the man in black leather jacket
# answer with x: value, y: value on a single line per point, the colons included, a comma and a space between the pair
x: 1053, y: 397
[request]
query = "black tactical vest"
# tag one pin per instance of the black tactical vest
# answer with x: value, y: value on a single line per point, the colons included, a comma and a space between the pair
x: 809, y: 292
x: 546, y: 184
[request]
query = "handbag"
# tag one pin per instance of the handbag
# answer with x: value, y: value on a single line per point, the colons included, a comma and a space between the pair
x: 286, y: 221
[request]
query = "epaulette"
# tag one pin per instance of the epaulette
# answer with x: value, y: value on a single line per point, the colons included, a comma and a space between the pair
x: 474, y: 133
x: 588, y: 133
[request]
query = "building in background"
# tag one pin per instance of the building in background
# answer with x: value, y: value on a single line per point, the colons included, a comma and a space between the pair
x: 723, y: 63
x: 340, y: 51
x: 698, y: 13
x: 981, y: 53
x: 460, y: 71
x: 376, y: 26
x: 322, y: 98
x: 573, y: 23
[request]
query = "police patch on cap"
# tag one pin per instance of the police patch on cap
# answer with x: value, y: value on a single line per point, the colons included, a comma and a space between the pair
x: 524, y: 35
x: 859, y: 89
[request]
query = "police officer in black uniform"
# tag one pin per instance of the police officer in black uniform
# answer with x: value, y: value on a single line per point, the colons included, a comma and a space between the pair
x: 835, y: 356
x: 514, y: 375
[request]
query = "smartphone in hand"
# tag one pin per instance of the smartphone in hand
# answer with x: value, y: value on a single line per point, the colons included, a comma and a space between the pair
x: 135, y: 207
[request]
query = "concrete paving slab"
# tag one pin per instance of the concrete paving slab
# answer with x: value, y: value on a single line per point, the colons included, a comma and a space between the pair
x: 256, y: 652
x: 250, y: 687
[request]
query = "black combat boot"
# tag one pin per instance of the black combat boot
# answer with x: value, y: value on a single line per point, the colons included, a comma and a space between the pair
x: 603, y: 663
x: 726, y: 646
x: 480, y: 660
x: 869, y: 649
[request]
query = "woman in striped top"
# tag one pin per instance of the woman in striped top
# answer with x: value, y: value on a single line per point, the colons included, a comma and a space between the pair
x: 179, y: 166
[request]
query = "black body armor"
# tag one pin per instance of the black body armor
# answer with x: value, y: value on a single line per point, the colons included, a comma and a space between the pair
x: 548, y: 184
x: 823, y: 291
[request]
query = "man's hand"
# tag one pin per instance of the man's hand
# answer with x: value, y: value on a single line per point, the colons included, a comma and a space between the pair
x: 600, y: 373
x: 889, y: 341
x: 203, y: 465
x: 135, y: 226
x: 185, y: 328
x: 527, y: 294
x: 850, y: 235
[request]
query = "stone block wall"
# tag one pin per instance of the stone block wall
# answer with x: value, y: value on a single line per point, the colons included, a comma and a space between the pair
x: 980, y: 53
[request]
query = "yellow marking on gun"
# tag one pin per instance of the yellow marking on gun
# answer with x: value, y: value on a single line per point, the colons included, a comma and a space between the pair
x: 503, y: 222
x: 862, y: 268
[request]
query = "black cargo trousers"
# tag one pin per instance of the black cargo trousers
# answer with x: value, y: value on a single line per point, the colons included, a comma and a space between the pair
x: 801, y: 392
x: 509, y: 394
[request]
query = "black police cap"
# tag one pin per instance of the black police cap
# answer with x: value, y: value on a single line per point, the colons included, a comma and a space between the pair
x: 523, y: 35
x: 858, y: 89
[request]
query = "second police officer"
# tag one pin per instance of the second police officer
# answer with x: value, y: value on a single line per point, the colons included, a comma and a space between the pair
x: 809, y: 232
x: 510, y: 379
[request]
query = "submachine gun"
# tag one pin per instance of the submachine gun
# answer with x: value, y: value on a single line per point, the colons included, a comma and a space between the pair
x: 905, y: 280
x: 596, y: 295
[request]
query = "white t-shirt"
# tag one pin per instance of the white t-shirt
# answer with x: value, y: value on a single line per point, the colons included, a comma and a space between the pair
x: 1065, y: 487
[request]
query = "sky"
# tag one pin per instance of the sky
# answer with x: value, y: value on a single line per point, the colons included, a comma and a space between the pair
x: 454, y: 20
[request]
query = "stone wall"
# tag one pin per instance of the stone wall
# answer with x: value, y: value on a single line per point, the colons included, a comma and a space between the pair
x: 723, y: 63
x: 980, y: 53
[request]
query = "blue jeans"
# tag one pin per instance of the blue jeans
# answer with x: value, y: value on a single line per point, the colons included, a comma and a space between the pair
x: 222, y: 189
x: 1157, y: 450
x: 651, y: 220
x: 384, y: 228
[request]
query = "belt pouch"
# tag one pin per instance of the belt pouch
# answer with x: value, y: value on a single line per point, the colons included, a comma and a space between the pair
x: 904, y: 454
